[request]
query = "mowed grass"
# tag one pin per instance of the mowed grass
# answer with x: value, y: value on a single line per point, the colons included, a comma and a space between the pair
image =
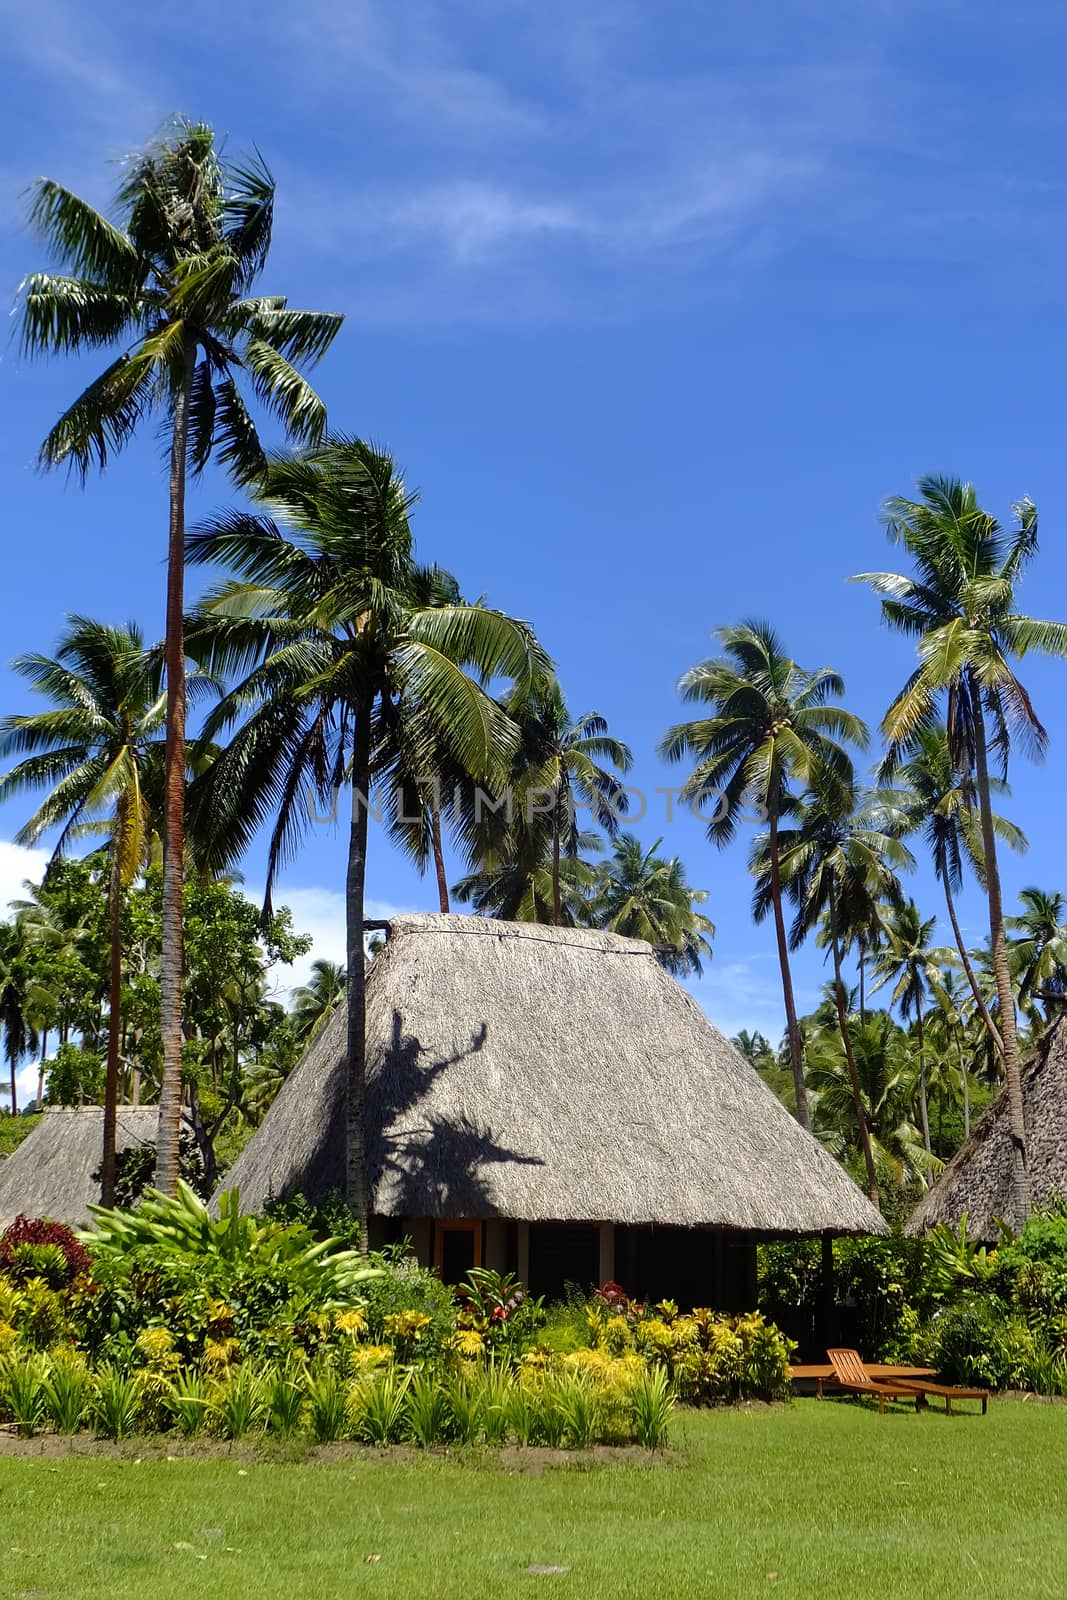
x: 816, y: 1499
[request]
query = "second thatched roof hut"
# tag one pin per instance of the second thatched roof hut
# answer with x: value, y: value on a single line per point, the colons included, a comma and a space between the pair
x: 976, y: 1183
x: 550, y: 1101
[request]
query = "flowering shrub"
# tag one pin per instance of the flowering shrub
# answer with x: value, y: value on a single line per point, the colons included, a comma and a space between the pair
x: 496, y: 1307
x: 22, y: 1241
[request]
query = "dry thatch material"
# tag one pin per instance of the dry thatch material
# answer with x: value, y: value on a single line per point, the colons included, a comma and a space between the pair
x: 978, y: 1178
x: 50, y: 1174
x: 547, y: 1075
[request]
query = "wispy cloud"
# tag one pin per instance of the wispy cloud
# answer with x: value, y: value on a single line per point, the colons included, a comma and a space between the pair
x: 744, y: 994
x: 320, y: 913
x: 18, y: 866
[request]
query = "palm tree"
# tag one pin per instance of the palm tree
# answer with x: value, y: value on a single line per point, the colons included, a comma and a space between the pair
x: 935, y: 800
x: 1039, y: 950
x: 98, y: 749
x: 168, y: 286
x: 314, y: 1001
x: 521, y: 885
x: 561, y: 764
x: 15, y: 1029
x: 646, y: 896
x: 771, y: 726
x: 909, y: 961
x: 880, y: 1060
x: 953, y: 1003
x: 961, y: 609
x: 839, y: 863
x: 328, y: 621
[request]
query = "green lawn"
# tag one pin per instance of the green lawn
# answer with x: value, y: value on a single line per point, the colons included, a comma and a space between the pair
x: 820, y: 1500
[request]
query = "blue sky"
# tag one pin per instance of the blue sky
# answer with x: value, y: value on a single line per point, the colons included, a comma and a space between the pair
x: 654, y: 303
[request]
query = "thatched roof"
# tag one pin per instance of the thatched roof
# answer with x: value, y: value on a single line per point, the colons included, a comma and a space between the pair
x: 50, y: 1173
x: 978, y: 1178
x: 545, y: 1074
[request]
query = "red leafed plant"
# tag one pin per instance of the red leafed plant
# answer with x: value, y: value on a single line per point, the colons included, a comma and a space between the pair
x: 36, y: 1231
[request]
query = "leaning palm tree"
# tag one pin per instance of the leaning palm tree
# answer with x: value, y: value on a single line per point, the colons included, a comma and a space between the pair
x: 98, y: 750
x: 645, y: 896
x: 1039, y: 949
x: 167, y: 287
x: 313, y: 1002
x: 960, y: 607
x: 936, y: 801
x: 912, y: 965
x: 771, y: 726
x: 838, y: 862
x: 324, y: 614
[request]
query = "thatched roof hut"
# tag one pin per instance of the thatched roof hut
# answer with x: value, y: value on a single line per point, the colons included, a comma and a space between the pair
x: 50, y: 1173
x: 977, y: 1181
x: 546, y: 1076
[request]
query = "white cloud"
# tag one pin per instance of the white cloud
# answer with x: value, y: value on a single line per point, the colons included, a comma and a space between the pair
x: 320, y: 913
x: 744, y: 994
x: 17, y: 867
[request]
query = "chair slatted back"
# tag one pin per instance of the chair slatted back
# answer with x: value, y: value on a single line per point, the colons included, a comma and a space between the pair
x: 848, y: 1367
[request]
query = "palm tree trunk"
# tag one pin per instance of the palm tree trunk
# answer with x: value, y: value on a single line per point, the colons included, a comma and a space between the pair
x: 966, y: 1085
x: 557, y: 893
x: 170, y: 1090
x: 796, y: 1054
x: 1020, y: 1176
x: 924, y: 1108
x: 13, y: 1058
x: 853, y: 1075
x: 983, y: 1009
x: 863, y: 982
x: 41, y: 1070
x: 111, y: 1079
x: 355, y: 891
x: 439, y: 859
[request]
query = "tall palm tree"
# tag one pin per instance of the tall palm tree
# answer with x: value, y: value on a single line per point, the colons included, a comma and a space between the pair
x: 167, y: 286
x: 913, y: 965
x: 98, y: 750
x: 960, y: 607
x: 1039, y: 948
x: 326, y: 616
x: 313, y: 1002
x: 952, y: 999
x: 839, y: 863
x: 771, y: 726
x: 937, y: 802
x: 646, y: 896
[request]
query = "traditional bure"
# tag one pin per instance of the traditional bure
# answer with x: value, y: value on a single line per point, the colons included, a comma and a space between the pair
x: 550, y: 1101
x: 976, y: 1183
x: 50, y: 1174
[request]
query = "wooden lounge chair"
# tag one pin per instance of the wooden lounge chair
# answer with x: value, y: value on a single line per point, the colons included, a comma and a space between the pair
x: 850, y: 1373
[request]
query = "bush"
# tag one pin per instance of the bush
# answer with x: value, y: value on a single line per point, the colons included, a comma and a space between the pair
x: 396, y: 1298
x: 28, y: 1246
x: 975, y: 1343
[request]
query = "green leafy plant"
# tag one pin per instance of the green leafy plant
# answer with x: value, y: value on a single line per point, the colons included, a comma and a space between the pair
x: 189, y: 1401
x: 377, y: 1408
x: 466, y: 1401
x: 579, y: 1404
x: 652, y: 1403
x: 183, y: 1226
x: 327, y: 1406
x: 284, y: 1400
x: 23, y: 1391
x: 116, y: 1401
x: 237, y: 1403
x: 428, y: 1416
x: 66, y: 1393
